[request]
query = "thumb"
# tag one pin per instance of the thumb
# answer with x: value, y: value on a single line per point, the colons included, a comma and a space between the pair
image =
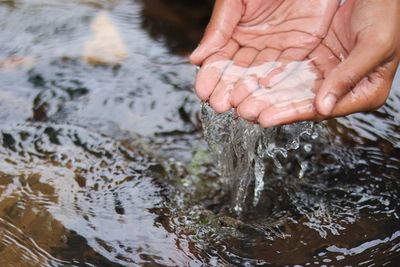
x: 225, y: 18
x: 360, y: 62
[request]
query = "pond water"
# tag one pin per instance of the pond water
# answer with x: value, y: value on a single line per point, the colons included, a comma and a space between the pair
x: 103, y: 162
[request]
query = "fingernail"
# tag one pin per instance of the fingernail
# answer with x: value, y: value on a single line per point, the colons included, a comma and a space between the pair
x: 328, y: 103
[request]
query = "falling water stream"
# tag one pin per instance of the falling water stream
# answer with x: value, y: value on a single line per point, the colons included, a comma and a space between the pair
x: 243, y: 149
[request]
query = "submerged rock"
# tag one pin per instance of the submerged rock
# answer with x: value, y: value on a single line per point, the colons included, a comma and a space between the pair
x: 105, y: 47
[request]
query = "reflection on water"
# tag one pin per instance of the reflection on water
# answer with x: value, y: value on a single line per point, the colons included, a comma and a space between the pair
x: 104, y: 165
x: 61, y: 183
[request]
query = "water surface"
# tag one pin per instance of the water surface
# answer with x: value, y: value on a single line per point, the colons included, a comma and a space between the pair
x: 105, y: 165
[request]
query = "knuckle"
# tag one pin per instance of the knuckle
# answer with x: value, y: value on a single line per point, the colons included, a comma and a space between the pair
x: 345, y: 82
x: 351, y: 80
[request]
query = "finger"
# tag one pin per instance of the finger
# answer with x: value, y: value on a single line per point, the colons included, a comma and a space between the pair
x: 290, y: 111
x: 263, y: 63
x: 220, y: 99
x: 263, y: 99
x: 254, y: 104
x: 226, y: 16
x: 361, y: 61
x: 212, y: 69
x: 370, y: 93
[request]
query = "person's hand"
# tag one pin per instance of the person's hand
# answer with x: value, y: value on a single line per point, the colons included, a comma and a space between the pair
x: 253, y: 43
x: 350, y: 71
x: 353, y: 69
x: 359, y: 58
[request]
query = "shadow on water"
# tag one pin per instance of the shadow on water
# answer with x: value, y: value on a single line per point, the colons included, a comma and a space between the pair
x: 102, y: 160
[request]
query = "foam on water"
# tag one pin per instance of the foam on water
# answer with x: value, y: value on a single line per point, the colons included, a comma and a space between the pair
x: 243, y: 150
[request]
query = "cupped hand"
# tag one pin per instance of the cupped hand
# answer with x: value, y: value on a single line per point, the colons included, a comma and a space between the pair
x: 359, y: 57
x: 351, y: 70
x: 254, y: 44
x: 355, y: 66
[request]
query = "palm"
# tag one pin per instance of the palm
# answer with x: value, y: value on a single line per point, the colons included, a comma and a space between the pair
x: 279, y: 62
x: 270, y: 40
x: 290, y: 27
x: 293, y: 97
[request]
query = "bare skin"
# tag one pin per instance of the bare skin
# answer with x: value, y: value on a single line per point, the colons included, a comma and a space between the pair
x: 299, y: 39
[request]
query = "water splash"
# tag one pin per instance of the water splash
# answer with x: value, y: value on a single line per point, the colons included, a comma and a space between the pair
x: 244, y: 150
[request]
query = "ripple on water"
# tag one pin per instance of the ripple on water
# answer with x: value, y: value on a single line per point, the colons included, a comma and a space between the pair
x: 61, y: 182
x: 345, y: 193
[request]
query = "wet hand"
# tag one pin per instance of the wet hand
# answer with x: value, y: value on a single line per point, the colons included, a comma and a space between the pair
x: 358, y: 58
x: 278, y: 85
x: 350, y: 71
x: 252, y: 46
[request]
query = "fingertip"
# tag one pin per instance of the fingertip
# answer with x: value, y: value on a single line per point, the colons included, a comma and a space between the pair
x: 242, y: 90
x: 272, y: 117
x: 207, y: 79
x: 235, y: 100
x: 202, y: 91
x: 326, y: 104
x: 248, y: 111
x: 220, y: 108
x: 290, y: 113
x: 220, y: 105
x: 209, y: 45
x: 267, y: 122
x: 196, y: 58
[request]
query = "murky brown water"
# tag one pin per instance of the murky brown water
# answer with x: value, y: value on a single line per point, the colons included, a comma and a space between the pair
x: 105, y: 165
